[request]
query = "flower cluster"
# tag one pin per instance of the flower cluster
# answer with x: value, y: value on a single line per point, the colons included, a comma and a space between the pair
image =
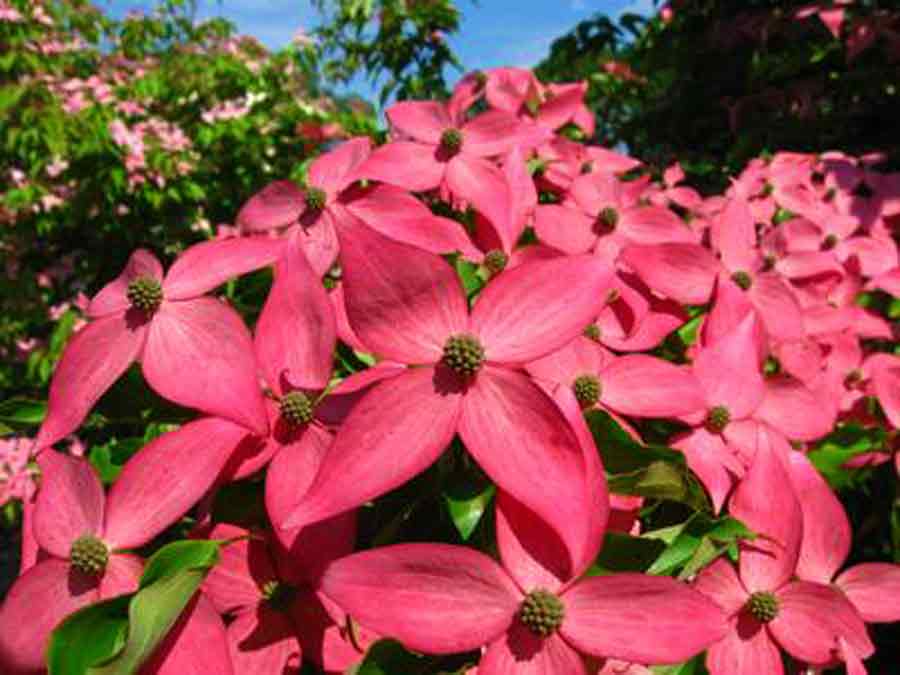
x: 508, y: 287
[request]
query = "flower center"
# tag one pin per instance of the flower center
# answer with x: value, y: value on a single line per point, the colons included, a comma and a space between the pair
x: 763, y: 606
x: 742, y: 279
x: 451, y: 141
x: 717, y: 419
x: 89, y: 555
x: 495, y: 261
x: 587, y: 390
x: 607, y: 219
x: 542, y: 612
x: 463, y: 354
x: 854, y: 378
x: 315, y: 199
x: 296, y: 408
x: 592, y: 332
x: 829, y: 242
x: 145, y: 294
x: 278, y: 595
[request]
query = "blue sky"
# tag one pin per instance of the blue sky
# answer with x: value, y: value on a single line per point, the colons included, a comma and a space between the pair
x: 494, y: 32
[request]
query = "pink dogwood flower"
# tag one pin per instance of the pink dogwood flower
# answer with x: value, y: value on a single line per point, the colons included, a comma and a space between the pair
x: 407, y: 306
x: 332, y: 198
x: 83, y: 535
x: 766, y: 608
x: 168, y: 325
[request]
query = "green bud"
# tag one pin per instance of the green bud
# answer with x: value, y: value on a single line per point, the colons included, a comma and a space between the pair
x: 315, y: 199
x: 278, y: 595
x: 607, y: 219
x: 495, y: 261
x: 587, y: 390
x: 592, y: 332
x: 742, y: 279
x: 764, y: 606
x: 717, y: 419
x: 542, y: 612
x: 463, y: 354
x: 451, y: 141
x: 89, y: 555
x: 145, y: 294
x: 296, y: 408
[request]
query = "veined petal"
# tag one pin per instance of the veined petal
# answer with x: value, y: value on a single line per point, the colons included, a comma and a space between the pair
x: 92, y: 361
x: 747, y: 649
x: 525, y: 444
x: 408, y: 165
x: 262, y: 641
x: 432, y: 597
x: 495, y: 132
x: 277, y: 205
x: 582, y: 356
x: 70, y: 502
x: 795, y: 410
x: 777, y: 306
x: 715, y: 464
x: 480, y: 184
x: 765, y: 502
x: 812, y: 617
x: 826, y: 528
x: 873, y: 589
x: 681, y: 271
x: 113, y: 297
x: 395, y: 432
x: 402, y: 302
x: 644, y: 386
x: 316, y: 236
x: 719, y: 581
x: 166, y: 478
x: 424, y: 121
x: 564, y: 228
x: 233, y: 585
x: 538, y: 307
x: 205, y: 331
x: 613, y: 615
x: 209, y: 264
x: 296, y: 332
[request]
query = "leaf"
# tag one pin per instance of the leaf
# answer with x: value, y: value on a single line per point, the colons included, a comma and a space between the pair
x: 388, y: 657
x: 116, y: 636
x: 19, y: 410
x: 691, y: 534
x: 468, y: 275
x: 88, y: 637
x: 620, y: 452
x: 624, y: 553
x: 693, y: 667
x: 467, y: 499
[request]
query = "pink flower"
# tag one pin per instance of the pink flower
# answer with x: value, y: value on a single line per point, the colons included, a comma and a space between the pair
x: 83, y: 535
x: 448, y: 152
x: 441, y: 599
x: 768, y: 610
x: 169, y: 326
x: 315, y: 215
x: 407, y: 306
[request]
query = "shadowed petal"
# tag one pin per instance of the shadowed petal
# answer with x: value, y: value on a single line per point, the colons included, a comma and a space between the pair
x: 233, y: 585
x: 538, y: 307
x: 262, y: 641
x: 644, y: 386
x: 70, y: 502
x: 566, y: 229
x: 719, y: 581
x: 480, y: 184
x: 681, y: 271
x: 747, y: 649
x: 166, y: 478
x: 614, y: 615
x: 277, y: 205
x: 424, y: 121
x: 205, y: 331
x: 36, y: 603
x: 334, y: 170
x: 92, y: 361
x: 431, y: 597
x: 407, y: 165
x: 520, y: 652
x: 582, y: 356
x: 795, y: 410
x: 122, y: 575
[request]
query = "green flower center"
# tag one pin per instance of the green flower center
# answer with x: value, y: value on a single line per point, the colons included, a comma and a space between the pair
x: 829, y: 242
x: 763, y: 606
x: 315, y: 199
x: 854, y: 378
x: 587, y: 390
x: 89, y: 555
x: 717, y: 419
x: 145, y: 294
x: 495, y: 261
x: 586, y: 167
x: 607, y: 219
x: 463, y: 354
x: 592, y: 332
x: 742, y: 279
x: 542, y: 612
x: 296, y: 408
x: 451, y: 141
x: 278, y: 595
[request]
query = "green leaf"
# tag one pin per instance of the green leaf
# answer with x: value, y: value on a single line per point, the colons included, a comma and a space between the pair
x: 624, y: 553
x: 840, y: 446
x: 179, y: 556
x: 20, y: 410
x: 468, y: 275
x: 691, y: 535
x: 88, y: 637
x: 388, y: 657
x: 693, y: 667
x: 467, y: 499
x: 620, y: 452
